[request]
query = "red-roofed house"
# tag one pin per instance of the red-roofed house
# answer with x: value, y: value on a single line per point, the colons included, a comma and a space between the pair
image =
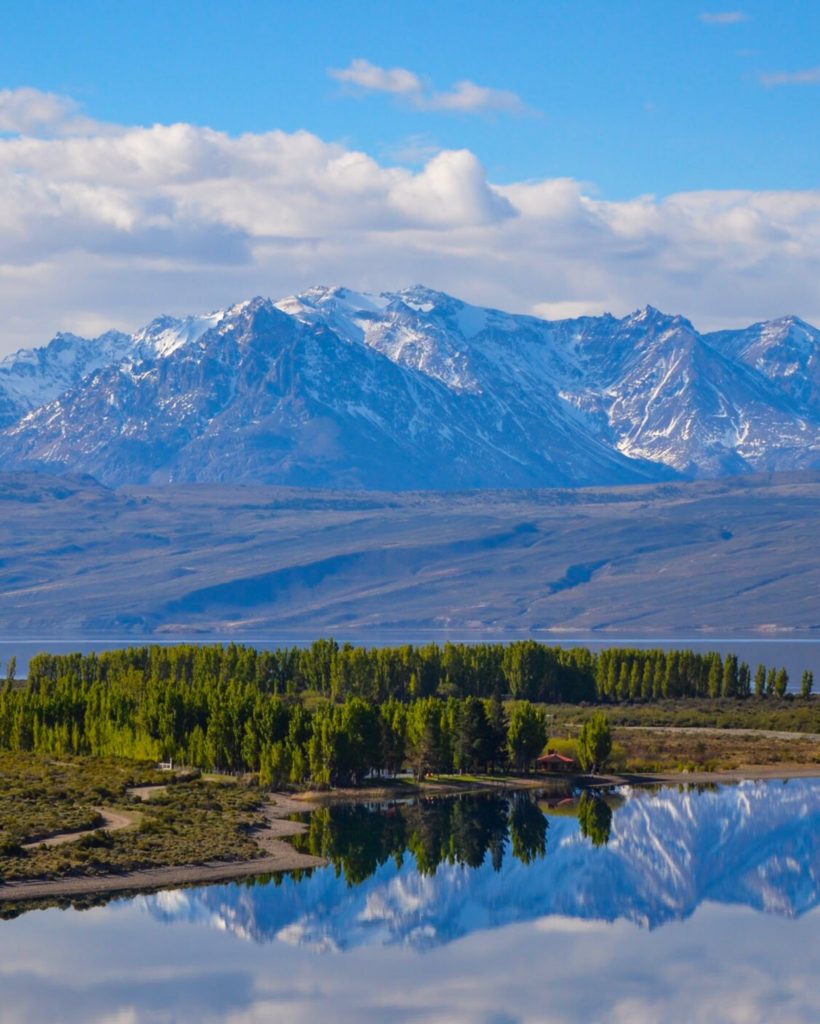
x: 552, y: 761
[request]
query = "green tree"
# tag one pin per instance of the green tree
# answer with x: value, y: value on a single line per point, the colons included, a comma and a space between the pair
x: 595, y: 819
x: 425, y: 741
x: 595, y: 743
x: 528, y: 829
x: 498, y: 727
x: 760, y: 681
x: 744, y: 680
x: 527, y: 735
x: 715, y: 675
x: 635, y: 678
x: 471, y: 742
x: 525, y: 665
x: 806, y: 684
x: 730, y: 676
x: 781, y: 683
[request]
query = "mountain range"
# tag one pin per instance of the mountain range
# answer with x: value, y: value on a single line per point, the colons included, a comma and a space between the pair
x: 413, y: 390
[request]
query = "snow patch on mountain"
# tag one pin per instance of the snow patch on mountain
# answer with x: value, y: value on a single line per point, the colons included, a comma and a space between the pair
x: 414, y: 388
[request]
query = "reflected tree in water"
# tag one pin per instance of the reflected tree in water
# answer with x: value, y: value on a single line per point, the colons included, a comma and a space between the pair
x: 356, y: 839
x: 528, y: 829
x: 453, y: 830
x: 595, y: 819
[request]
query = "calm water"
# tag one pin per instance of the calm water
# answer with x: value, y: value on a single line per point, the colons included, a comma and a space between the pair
x: 674, y: 905
x: 796, y: 655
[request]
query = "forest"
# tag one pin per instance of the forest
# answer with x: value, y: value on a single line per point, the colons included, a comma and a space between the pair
x: 331, y: 714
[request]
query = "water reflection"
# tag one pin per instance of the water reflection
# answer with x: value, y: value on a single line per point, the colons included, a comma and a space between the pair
x: 595, y: 819
x: 426, y: 873
x: 462, y: 830
x: 548, y: 928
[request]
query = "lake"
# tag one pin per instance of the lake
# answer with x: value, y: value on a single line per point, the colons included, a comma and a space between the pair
x: 674, y: 904
x: 795, y: 654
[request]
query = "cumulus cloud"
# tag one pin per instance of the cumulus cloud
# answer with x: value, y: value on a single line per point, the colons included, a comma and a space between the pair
x: 463, y: 97
x: 29, y: 111
x: 723, y: 17
x: 110, y: 227
x: 809, y: 76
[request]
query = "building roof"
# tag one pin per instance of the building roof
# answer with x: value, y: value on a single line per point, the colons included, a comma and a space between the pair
x: 553, y: 757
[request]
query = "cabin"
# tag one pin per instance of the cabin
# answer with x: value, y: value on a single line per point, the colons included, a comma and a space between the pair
x: 552, y: 761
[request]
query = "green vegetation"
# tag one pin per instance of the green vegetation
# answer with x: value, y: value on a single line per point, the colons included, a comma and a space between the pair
x: 40, y: 796
x: 527, y: 734
x: 594, y: 743
x: 674, y: 750
x: 357, y: 839
x: 329, y: 716
x: 795, y: 715
x: 595, y: 818
x: 187, y: 823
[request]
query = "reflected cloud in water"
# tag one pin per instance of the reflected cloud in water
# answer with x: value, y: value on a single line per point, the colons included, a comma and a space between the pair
x: 425, y: 874
x: 701, y: 907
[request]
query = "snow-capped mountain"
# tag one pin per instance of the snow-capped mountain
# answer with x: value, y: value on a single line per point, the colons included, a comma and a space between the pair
x: 413, y: 389
x: 786, y: 351
x: 755, y: 844
x: 30, y: 378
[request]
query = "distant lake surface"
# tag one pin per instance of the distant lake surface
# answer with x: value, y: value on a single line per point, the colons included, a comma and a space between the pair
x: 794, y: 654
x: 675, y: 904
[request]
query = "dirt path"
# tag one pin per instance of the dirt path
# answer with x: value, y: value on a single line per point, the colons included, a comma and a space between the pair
x: 147, y: 792
x: 112, y: 821
x: 278, y: 856
x: 710, y: 730
x: 728, y: 775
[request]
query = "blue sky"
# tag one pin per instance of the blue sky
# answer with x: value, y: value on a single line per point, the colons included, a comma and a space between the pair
x: 605, y: 153
x: 634, y: 96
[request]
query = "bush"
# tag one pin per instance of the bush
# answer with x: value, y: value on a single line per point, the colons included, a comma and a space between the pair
x: 8, y: 848
x: 101, y: 840
x: 568, y: 747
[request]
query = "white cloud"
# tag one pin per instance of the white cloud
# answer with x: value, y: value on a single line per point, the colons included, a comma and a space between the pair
x: 32, y: 112
x: 113, y: 226
x: 413, y: 149
x: 463, y: 97
x: 723, y: 17
x: 809, y: 76
x: 365, y: 75
x: 469, y: 98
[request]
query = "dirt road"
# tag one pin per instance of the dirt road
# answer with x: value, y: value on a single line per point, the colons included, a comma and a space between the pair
x: 112, y: 821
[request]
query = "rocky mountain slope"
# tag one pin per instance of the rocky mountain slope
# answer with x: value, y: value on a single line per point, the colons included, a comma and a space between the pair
x: 413, y: 389
x: 719, y: 558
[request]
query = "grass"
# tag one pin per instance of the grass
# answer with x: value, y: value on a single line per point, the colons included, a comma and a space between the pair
x: 643, y: 750
x: 787, y: 715
x: 42, y: 795
x: 189, y: 823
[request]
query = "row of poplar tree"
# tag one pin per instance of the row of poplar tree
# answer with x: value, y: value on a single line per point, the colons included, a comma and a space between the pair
x: 525, y: 670
x: 238, y: 709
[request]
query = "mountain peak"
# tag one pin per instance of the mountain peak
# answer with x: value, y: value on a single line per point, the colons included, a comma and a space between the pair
x: 413, y: 388
x: 419, y: 296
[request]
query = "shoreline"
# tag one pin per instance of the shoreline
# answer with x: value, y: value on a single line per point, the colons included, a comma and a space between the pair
x: 280, y: 856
